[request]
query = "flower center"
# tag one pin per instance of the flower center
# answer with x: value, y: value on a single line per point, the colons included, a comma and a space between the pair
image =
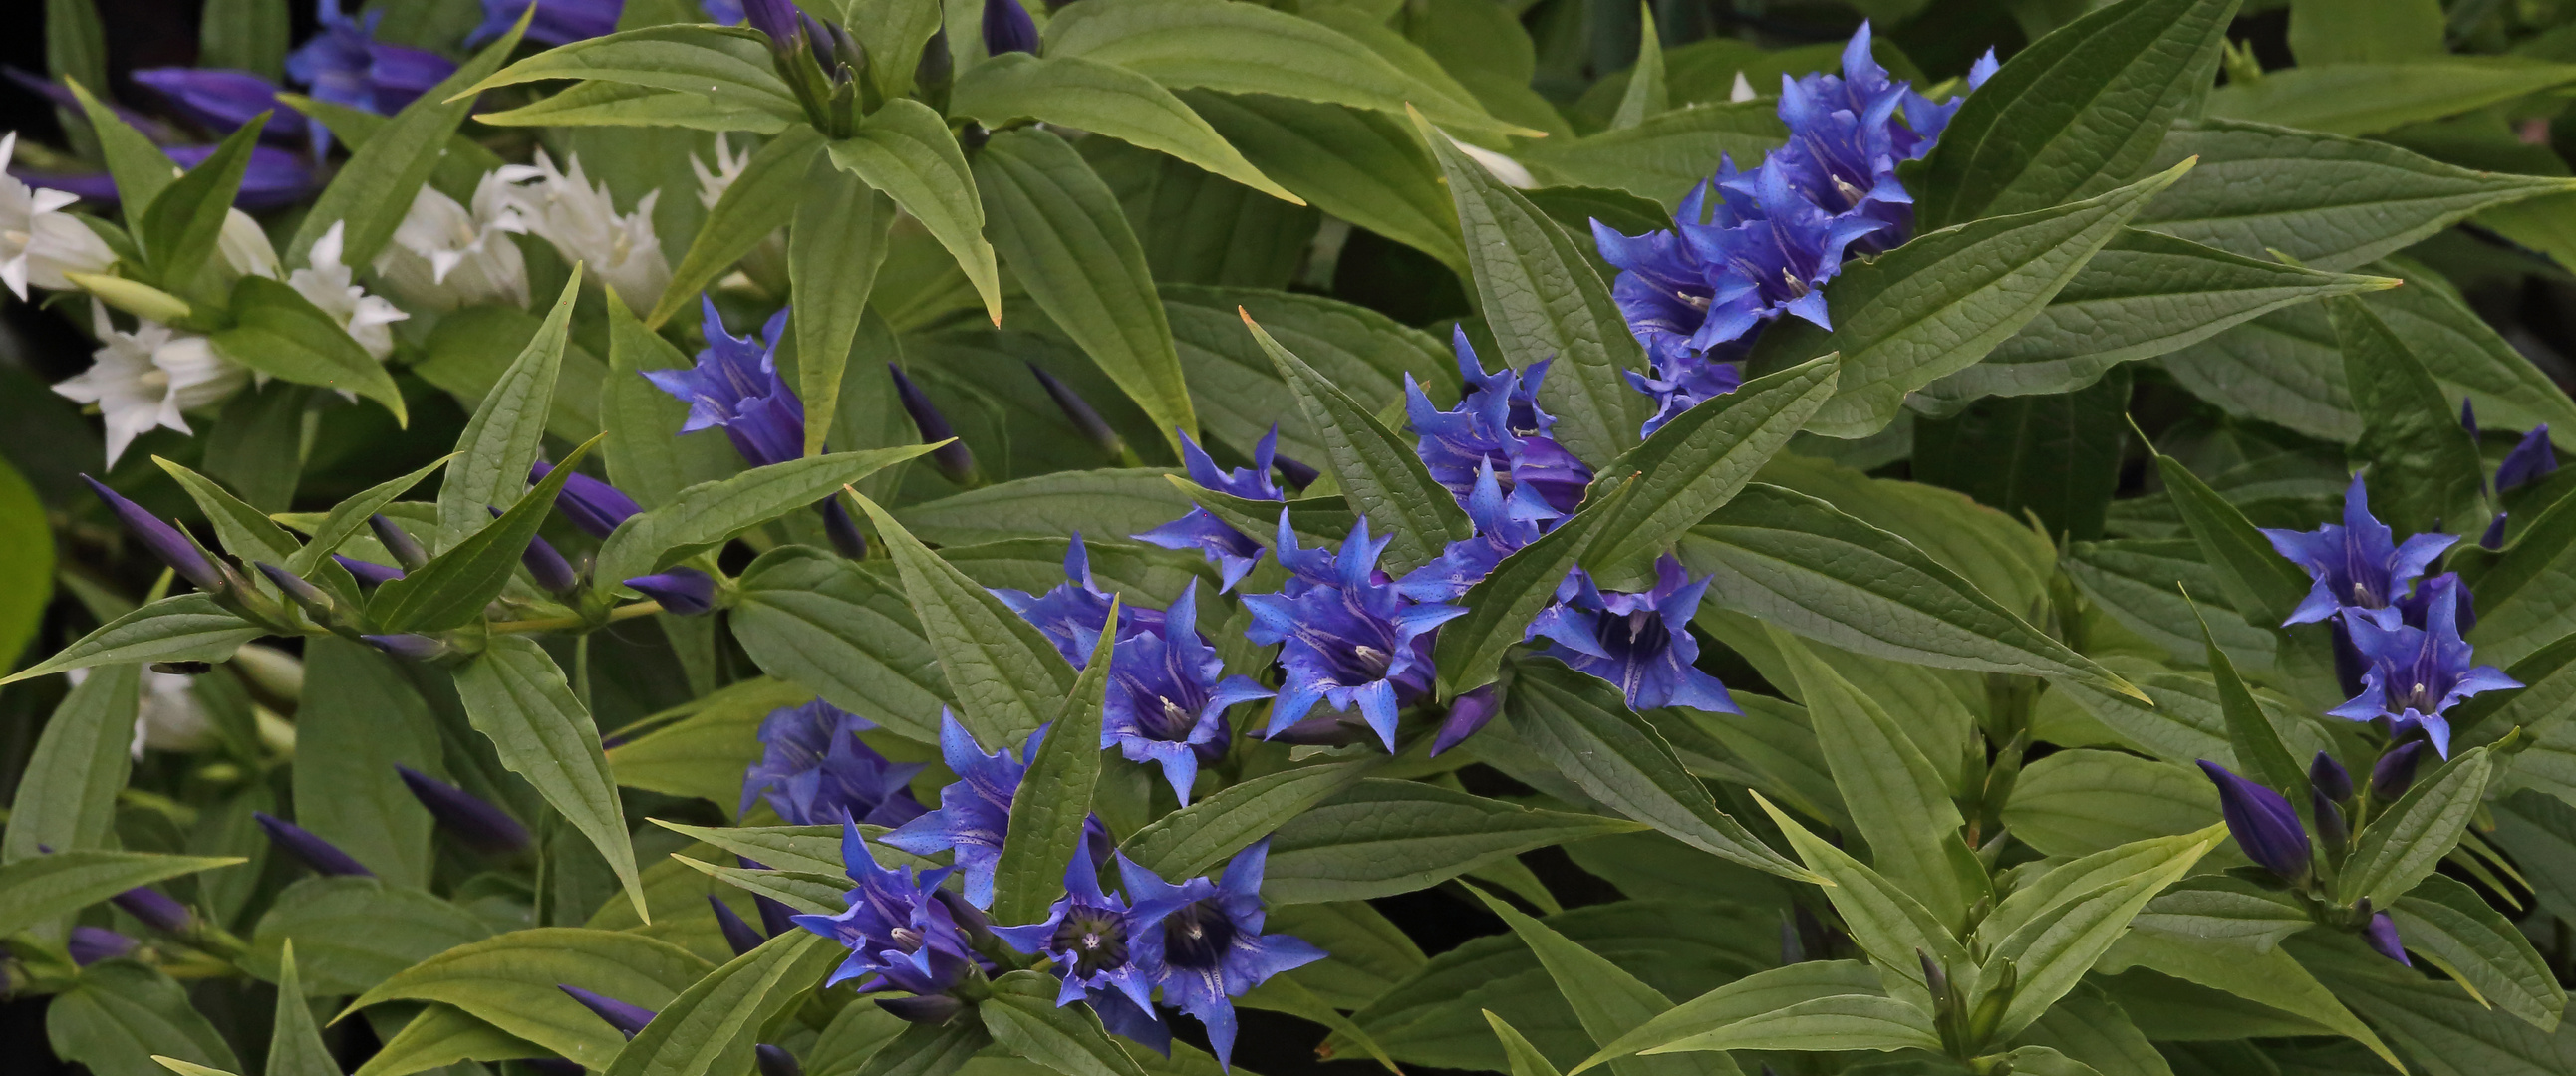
x: 1197, y: 936
x: 906, y: 937
x: 1095, y: 937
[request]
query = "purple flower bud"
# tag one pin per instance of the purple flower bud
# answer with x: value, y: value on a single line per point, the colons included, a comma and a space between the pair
x: 2263, y: 823
x: 843, y: 531
x: 156, y: 910
x: 775, y: 918
x: 1467, y: 713
x: 167, y: 542
x: 1934, y: 979
x: 592, y: 505
x: 2530, y: 461
x: 627, y: 1019
x: 737, y: 934
x: 478, y: 824
x: 2382, y: 936
x: 1008, y: 28
x: 2468, y: 418
x: 2395, y: 771
x: 776, y: 1061
x: 686, y: 591
x: 89, y: 945
x: 927, y: 1009
x: 408, y: 646
x: 406, y: 551
x: 781, y: 20
x: 551, y: 572
x: 2330, y: 823
x: 937, y: 66
x: 1079, y: 410
x: 296, y: 589
x: 2329, y: 777
x: 368, y: 572
x: 321, y: 855
x: 2494, y: 537
x: 1299, y: 474
x: 953, y: 461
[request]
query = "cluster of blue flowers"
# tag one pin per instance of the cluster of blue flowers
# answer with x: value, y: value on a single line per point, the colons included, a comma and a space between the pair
x: 1747, y: 247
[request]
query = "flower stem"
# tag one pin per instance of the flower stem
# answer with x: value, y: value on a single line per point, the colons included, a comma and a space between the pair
x: 561, y: 623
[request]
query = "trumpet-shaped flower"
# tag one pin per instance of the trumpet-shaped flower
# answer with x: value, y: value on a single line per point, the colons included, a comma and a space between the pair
x: 1201, y: 941
x: 975, y: 811
x: 328, y: 284
x: 1086, y: 937
x: 344, y: 64
x: 899, y: 929
x: 150, y: 378
x: 580, y: 218
x: 814, y: 770
x: 1072, y: 615
x: 1640, y: 642
x: 38, y: 241
x: 1346, y: 637
x: 1467, y: 561
x: 2357, y: 564
x: 445, y: 255
x: 1230, y: 550
x: 1497, y: 422
x: 1166, y: 702
x: 735, y: 386
x: 2413, y: 676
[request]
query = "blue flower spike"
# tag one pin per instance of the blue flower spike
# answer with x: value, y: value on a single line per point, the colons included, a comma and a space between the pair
x: 1202, y: 943
x: 1347, y: 638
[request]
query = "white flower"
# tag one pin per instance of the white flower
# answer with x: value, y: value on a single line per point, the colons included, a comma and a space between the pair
x: 38, y: 241
x: 245, y: 247
x: 444, y: 256
x: 325, y: 281
x: 713, y: 184
x: 150, y: 377
x: 169, y: 717
x: 582, y: 222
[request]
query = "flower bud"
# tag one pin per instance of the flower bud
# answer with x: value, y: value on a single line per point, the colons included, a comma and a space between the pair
x: 2530, y: 461
x: 1299, y: 474
x: 2395, y: 771
x: 1080, y: 412
x: 781, y: 20
x: 1008, y: 28
x: 927, y: 1009
x: 405, y: 550
x: 2330, y: 822
x: 686, y: 591
x: 2382, y: 936
x: 952, y: 460
x: 1934, y: 979
x: 737, y: 934
x: 2330, y: 778
x: 2494, y: 537
x: 408, y: 646
x: 368, y: 572
x: 775, y: 918
x: 305, y: 595
x: 477, y: 824
x: 169, y: 543
x: 937, y: 67
x: 89, y: 945
x: 1467, y: 713
x: 627, y: 1019
x: 592, y: 505
x: 156, y: 910
x: 843, y: 531
x: 2263, y: 823
x: 321, y: 855
x: 546, y: 567
x: 776, y: 1061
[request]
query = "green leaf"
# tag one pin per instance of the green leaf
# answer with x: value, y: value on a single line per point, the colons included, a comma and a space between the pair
x: 904, y: 150
x: 2257, y: 745
x: 1066, y: 240
x: 1023, y: 1018
x: 1744, y: 999
x: 833, y: 252
x: 2056, y: 457
x: 502, y: 441
x: 1664, y: 157
x: 2369, y: 98
x: 1193, y: 840
x: 1915, y: 315
x: 1811, y: 569
x: 2052, y: 949
x: 2270, y: 978
x: 66, y: 797
x: 279, y: 332
x: 451, y: 590
x: 648, y: 458
x: 1110, y: 501
x: 139, y: 168
x: 1380, y: 474
x: 2078, y: 802
x: 1608, y: 1000
x: 1843, y: 1022
x: 759, y: 201
x: 2088, y: 1027
x: 841, y: 629
x: 2076, y: 114
x: 730, y: 68
x: 1469, y: 649
x: 2326, y: 201
x: 257, y: 445
x: 360, y: 711
x: 2406, y: 841
x: 618, y: 104
x: 2140, y: 584
x: 710, y: 1027
x: 1361, y: 166
x: 511, y: 982
x: 179, y: 228
x: 295, y: 1046
x: 1005, y: 675
x: 355, y: 932
x: 373, y: 191
x: 1524, y: 1058
x: 516, y: 697
x: 707, y: 515
x: 928, y: 1050
x: 1054, y: 798
x: 1883, y: 918
x: 1646, y: 94
x: 1234, y: 388
x: 470, y: 352
x: 1091, y: 96
x: 2425, y: 468
x: 1234, y: 48
x: 26, y: 563
x: 1542, y: 298
x: 1382, y: 837
x: 1582, y: 726
x: 2449, y: 924
x: 2442, y: 1030
x: 348, y: 517
x: 1697, y: 462
x: 122, y: 1013
x: 76, y: 44
x: 443, y: 1035
x: 187, y: 1068
x: 182, y: 627
x: 40, y: 887
x: 2257, y: 581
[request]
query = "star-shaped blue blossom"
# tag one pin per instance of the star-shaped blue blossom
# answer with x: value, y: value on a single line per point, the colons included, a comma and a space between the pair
x: 2415, y: 675
x: 1787, y: 250
x: 1072, y: 614
x: 1201, y: 941
x: 2357, y: 564
x: 899, y: 929
x: 1685, y: 381
x: 735, y: 387
x: 344, y: 64
x: 1676, y: 303
x: 1165, y: 703
x: 1467, y: 561
x: 1230, y: 550
x: 1639, y: 642
x: 1497, y: 422
x: 814, y: 770
x: 974, y: 811
x: 1087, y: 937
x: 1346, y: 637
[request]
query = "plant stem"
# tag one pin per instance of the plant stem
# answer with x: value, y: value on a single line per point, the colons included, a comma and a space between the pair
x: 560, y: 623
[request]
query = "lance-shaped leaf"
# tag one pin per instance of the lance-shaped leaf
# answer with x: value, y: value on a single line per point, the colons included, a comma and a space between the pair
x: 373, y: 191
x: 279, y: 332
x: 730, y: 67
x: 2257, y: 580
x: 1696, y: 463
x: 140, y: 170
x: 120, y: 1013
x: 1088, y: 95
x: 41, y: 887
x: 181, y: 627
x: 1939, y: 303
x: 1378, y: 471
x: 1754, y: 995
x: 2408, y: 839
x: 517, y: 697
x: 502, y: 440
x: 1542, y: 298
x: 1803, y: 565
x: 617, y: 104
x: 1023, y: 1018
x: 795, y: 849
x: 2053, y: 948
x: 443, y: 1035
x: 1580, y: 723
x: 1885, y: 920
x: 66, y: 796
x: 348, y: 517
x: 245, y: 532
x: 1068, y: 242
x: 451, y: 590
x: 2372, y: 97
x: 817, y: 893
x: 1054, y: 797
x: 1190, y: 841
x: 2257, y: 745
x: 2446, y: 922
x: 710, y: 1027
x: 709, y: 514
x: 1361, y: 166
x: 511, y: 982
x: 905, y: 151
x: 758, y: 202
x: 833, y: 253
x: 1842, y: 1022
x: 1469, y: 650
x: 1007, y: 678
x: 2077, y: 113
x: 2424, y: 469
x: 1524, y: 1058
x: 295, y: 1046
x: 1381, y: 837
x: 843, y: 630
x: 929, y: 1049
x: 179, y: 228
x: 1606, y: 998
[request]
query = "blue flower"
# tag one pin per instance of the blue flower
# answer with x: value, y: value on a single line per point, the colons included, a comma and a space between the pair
x: 735, y: 386
x: 1072, y: 615
x: 684, y: 591
x: 1676, y: 303
x: 1497, y: 422
x: 308, y: 848
x: 1467, y: 561
x: 558, y: 22
x: 1201, y: 941
x: 1468, y: 714
x: 592, y: 505
x: 2381, y: 933
x: 2357, y: 564
x: 1165, y: 702
x: 2266, y: 829
x: 1685, y: 381
x: 974, y: 811
x: 1639, y: 642
x: 222, y: 100
x: 2414, y: 676
x: 1347, y: 637
x: 899, y: 929
x: 1787, y: 247
x: 1086, y: 935
x: 345, y: 65
x: 1008, y: 28
x: 814, y: 770
x: 1230, y: 550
